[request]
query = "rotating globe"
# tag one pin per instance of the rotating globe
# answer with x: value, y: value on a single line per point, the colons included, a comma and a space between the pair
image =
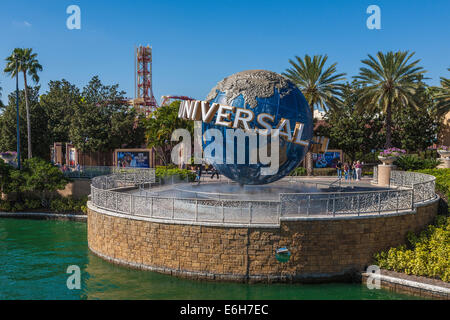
x: 262, y: 92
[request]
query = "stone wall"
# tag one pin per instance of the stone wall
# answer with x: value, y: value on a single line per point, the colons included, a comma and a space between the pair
x: 322, y: 249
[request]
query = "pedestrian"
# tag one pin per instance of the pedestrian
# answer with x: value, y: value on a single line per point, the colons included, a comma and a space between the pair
x: 215, y: 172
x: 351, y: 171
x: 199, y: 173
x: 339, y: 169
x: 346, y: 173
x: 358, y: 168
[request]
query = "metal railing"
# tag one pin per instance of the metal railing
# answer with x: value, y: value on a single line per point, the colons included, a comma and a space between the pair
x: 412, y: 188
x: 89, y: 172
x: 423, y: 185
x: 104, y: 195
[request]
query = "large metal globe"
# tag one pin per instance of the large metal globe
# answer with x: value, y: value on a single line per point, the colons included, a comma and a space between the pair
x: 262, y: 92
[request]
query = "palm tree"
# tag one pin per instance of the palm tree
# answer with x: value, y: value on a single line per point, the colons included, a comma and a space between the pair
x: 389, y: 81
x: 27, y: 64
x: 443, y: 97
x: 319, y: 85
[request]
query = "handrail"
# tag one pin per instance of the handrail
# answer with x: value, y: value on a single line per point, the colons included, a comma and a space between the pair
x: 340, y: 183
x: 416, y: 188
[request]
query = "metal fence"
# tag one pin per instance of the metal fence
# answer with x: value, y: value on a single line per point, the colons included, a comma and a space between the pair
x: 89, y: 172
x: 423, y: 185
x: 345, y: 203
x: 411, y: 188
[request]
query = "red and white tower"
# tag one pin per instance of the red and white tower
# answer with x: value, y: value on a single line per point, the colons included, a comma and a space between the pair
x: 144, y: 99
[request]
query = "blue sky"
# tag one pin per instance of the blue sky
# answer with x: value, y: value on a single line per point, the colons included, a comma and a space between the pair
x: 197, y: 43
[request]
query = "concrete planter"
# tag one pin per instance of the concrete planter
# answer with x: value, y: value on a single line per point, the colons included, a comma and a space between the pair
x: 444, y: 153
x: 387, y: 161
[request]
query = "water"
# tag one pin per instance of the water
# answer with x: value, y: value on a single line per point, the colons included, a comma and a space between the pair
x: 34, y: 256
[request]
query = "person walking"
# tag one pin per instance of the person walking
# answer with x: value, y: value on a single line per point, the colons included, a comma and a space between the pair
x: 214, y: 172
x: 346, y: 168
x: 358, y: 168
x: 339, y: 169
x: 199, y: 173
x: 351, y: 171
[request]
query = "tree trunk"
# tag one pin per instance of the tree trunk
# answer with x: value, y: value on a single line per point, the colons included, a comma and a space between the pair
x: 388, y: 126
x: 309, y: 164
x: 28, y: 116
x: 309, y: 157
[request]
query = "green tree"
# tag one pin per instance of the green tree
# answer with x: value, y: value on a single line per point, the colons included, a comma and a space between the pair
x: 41, y: 177
x: 415, y: 131
x: 389, y: 81
x: 40, y: 139
x: 349, y: 129
x: 5, y: 176
x: 159, y: 127
x: 320, y: 86
x: 60, y: 103
x: 27, y: 64
x: 102, y: 122
x: 443, y: 97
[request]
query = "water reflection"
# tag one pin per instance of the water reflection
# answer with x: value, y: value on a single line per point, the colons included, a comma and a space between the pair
x: 34, y: 256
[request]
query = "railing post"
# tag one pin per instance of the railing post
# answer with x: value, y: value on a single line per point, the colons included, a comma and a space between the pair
x: 328, y: 202
x: 223, y: 212
x: 379, y: 203
x: 412, y: 198
x: 279, y: 212
x: 131, y: 204
x: 397, y: 200
x: 240, y: 205
x: 389, y: 196
x: 358, y: 203
x: 196, y: 210
x: 173, y: 208
x: 250, y: 211
x: 151, y: 206
x: 334, y: 205
x: 309, y: 203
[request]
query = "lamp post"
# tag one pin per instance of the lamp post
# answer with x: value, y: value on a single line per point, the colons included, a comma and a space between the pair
x: 17, y: 111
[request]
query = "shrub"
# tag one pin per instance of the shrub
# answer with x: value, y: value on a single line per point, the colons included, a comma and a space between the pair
x: 413, y: 162
x: 18, y: 206
x: 32, y: 204
x: 68, y: 205
x: 299, y: 171
x: 442, y: 180
x: 5, y: 206
x: 427, y: 254
x: 325, y: 172
x: 181, y: 174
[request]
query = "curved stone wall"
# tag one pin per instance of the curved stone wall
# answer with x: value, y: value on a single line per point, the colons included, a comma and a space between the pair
x: 322, y: 248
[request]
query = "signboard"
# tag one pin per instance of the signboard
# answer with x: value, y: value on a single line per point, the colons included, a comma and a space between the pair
x: 328, y: 159
x: 72, y: 157
x: 133, y: 159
